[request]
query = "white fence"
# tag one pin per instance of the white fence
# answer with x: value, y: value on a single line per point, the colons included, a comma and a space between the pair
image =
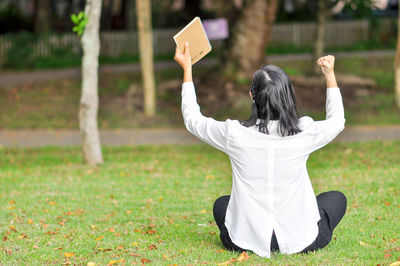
x: 120, y: 43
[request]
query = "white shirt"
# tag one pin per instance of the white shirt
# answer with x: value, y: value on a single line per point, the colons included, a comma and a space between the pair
x: 271, y: 189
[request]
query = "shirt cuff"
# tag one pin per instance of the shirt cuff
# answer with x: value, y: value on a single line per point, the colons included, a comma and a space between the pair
x: 187, y: 84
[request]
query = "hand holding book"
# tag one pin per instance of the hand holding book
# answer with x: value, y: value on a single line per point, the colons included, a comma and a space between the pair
x: 184, y: 60
x: 195, y: 35
x: 183, y: 57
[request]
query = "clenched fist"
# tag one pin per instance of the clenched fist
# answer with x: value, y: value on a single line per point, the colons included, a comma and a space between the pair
x: 327, y: 64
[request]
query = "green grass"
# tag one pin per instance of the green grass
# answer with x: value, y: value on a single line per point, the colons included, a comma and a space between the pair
x: 105, y: 214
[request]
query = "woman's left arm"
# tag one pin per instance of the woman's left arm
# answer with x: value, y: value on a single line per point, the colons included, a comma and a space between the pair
x: 207, y: 129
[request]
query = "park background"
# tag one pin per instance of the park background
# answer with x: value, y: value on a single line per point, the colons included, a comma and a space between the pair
x: 146, y: 196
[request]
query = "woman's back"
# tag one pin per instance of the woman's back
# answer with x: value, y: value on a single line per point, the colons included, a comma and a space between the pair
x: 271, y: 191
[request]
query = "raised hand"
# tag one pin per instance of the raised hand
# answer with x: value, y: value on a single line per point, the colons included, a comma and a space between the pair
x: 327, y: 64
x: 183, y: 58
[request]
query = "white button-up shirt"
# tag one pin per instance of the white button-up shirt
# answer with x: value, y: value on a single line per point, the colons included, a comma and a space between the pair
x: 271, y: 189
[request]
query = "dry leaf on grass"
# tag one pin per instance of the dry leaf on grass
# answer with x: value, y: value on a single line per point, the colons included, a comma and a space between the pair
x: 69, y: 254
x: 242, y: 257
x: 152, y: 247
x: 145, y: 260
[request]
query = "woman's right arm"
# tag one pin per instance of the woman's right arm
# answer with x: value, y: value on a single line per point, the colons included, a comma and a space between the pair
x: 326, y: 130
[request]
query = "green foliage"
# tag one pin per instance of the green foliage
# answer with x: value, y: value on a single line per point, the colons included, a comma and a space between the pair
x: 80, y: 20
x: 52, y: 204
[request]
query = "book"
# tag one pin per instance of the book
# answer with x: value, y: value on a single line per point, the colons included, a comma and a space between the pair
x: 194, y: 33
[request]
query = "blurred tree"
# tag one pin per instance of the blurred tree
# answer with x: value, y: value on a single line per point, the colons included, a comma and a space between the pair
x: 397, y: 64
x: 106, y: 15
x: 322, y: 10
x: 42, y: 16
x: 322, y: 13
x: 143, y: 9
x: 130, y: 17
x: 250, y: 24
x: 90, y: 99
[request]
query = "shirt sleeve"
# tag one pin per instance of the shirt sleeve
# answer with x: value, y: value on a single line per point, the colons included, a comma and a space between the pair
x: 206, y: 129
x: 326, y: 130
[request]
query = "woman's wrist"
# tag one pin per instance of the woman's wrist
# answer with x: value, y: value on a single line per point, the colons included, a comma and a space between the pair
x: 187, y: 74
x: 330, y: 79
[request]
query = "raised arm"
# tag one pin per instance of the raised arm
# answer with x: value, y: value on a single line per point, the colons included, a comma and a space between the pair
x: 326, y: 130
x: 205, y: 128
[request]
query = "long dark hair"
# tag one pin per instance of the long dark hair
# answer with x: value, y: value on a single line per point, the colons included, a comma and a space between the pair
x: 273, y: 99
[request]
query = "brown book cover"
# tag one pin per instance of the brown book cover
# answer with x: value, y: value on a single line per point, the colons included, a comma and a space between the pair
x: 194, y: 33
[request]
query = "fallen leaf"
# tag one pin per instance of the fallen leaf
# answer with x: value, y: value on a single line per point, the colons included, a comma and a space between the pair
x: 69, y: 254
x: 99, y: 238
x: 111, y: 229
x: 160, y: 199
x: 120, y: 248
x: 210, y: 177
x: 128, y: 212
x: 363, y: 244
x: 165, y: 257
x: 134, y: 244
x: 145, y: 260
x: 22, y: 236
x: 152, y: 246
x: 35, y: 246
x: 30, y: 221
x: 91, y: 264
x: 111, y: 262
x: 12, y: 228
x: 58, y: 248
x: 11, y: 202
x: 203, y: 211
x: 151, y: 232
x: 243, y: 257
x: 387, y: 255
x: 221, y: 250
x: 5, y: 238
x: 134, y: 255
x: 52, y: 203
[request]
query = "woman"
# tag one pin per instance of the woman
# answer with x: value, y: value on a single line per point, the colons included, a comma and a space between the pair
x: 272, y: 205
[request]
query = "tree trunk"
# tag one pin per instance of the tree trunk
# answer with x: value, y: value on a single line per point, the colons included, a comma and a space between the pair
x: 397, y: 66
x: 42, y: 20
x: 246, y: 49
x: 130, y: 15
x: 319, y: 34
x: 89, y: 99
x: 143, y: 9
x: 106, y: 15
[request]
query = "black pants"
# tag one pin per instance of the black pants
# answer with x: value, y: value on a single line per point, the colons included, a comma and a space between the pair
x: 332, y: 207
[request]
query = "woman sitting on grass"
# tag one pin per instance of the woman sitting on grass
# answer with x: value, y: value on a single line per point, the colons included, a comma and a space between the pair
x: 272, y: 205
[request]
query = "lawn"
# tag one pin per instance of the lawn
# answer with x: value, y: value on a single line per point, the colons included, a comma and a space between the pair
x: 155, y: 203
